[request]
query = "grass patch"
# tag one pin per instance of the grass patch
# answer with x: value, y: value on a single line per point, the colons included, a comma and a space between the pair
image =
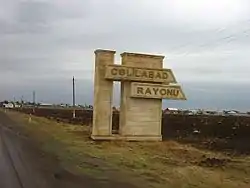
x: 161, y: 164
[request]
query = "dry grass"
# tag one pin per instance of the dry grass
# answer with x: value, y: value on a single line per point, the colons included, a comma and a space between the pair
x: 162, y: 164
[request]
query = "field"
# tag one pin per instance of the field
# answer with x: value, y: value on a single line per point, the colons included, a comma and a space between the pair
x: 222, y: 133
x: 160, y: 165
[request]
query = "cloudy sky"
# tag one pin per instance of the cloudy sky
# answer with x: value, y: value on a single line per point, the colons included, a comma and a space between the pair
x: 206, y: 43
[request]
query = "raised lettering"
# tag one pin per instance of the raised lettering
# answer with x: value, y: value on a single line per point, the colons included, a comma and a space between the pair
x: 140, y: 90
x: 163, y: 91
x: 144, y: 74
x: 148, y: 91
x: 151, y: 74
x: 176, y: 92
x: 158, y: 75
x: 122, y: 72
x: 169, y: 92
x: 165, y: 75
x: 129, y: 72
x: 155, y: 90
x: 114, y: 71
x: 137, y: 73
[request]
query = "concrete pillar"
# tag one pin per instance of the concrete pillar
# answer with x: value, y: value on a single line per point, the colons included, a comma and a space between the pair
x: 103, y: 95
x: 140, y: 119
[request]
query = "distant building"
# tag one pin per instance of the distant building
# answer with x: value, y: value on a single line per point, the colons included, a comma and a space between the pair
x: 231, y: 112
x: 171, y: 111
x: 45, y: 105
x: 17, y: 105
x: 8, y: 105
x: 211, y: 112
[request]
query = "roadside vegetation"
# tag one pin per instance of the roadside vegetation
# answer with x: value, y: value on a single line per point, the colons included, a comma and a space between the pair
x: 161, y: 164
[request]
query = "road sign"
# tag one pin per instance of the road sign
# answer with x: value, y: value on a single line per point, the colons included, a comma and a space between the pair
x: 119, y: 73
x: 157, y: 91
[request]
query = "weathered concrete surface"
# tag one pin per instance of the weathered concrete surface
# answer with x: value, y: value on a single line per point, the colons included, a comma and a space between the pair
x: 103, y: 95
x: 140, y: 117
x: 140, y: 113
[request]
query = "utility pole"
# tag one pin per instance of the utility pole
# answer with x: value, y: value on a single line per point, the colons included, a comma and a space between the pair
x: 34, y: 97
x: 14, y: 102
x: 34, y: 101
x: 74, y: 111
x: 22, y: 102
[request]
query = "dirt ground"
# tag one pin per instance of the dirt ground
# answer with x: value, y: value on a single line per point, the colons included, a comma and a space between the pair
x: 142, y: 164
x: 216, y: 132
x: 28, y: 166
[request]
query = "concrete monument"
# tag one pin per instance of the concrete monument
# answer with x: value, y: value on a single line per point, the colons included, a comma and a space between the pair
x: 144, y: 83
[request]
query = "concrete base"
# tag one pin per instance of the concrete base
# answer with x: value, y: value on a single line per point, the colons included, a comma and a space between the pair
x: 127, y: 138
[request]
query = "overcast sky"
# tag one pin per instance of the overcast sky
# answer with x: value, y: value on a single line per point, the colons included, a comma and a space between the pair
x: 206, y: 43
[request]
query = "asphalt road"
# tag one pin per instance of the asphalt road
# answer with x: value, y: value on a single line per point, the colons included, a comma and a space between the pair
x: 17, y: 169
x: 8, y: 174
x: 24, y: 165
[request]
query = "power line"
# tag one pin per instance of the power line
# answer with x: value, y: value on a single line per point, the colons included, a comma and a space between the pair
x: 228, y: 38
